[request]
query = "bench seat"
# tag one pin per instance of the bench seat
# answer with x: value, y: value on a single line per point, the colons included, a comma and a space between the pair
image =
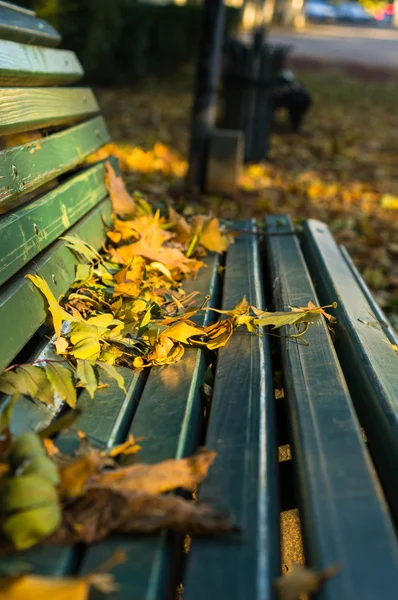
x: 335, y: 401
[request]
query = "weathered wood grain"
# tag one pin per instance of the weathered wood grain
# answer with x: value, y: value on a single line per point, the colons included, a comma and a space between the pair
x: 24, y: 65
x: 369, y: 362
x: 21, y: 25
x: 29, y: 230
x: 243, y: 479
x: 25, y: 168
x: 344, y: 516
x: 22, y: 307
x: 22, y: 109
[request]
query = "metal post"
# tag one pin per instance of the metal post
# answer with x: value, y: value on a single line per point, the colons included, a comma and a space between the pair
x: 205, y: 99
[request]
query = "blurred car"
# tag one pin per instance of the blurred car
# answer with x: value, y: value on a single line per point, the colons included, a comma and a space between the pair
x: 317, y: 10
x: 352, y: 12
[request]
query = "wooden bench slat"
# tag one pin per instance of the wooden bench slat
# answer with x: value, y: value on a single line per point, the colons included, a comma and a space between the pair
x: 27, y: 167
x: 385, y: 325
x: 243, y: 479
x: 22, y: 109
x: 369, y: 362
x: 24, y: 65
x: 115, y: 407
x: 21, y: 25
x: 169, y: 418
x: 344, y: 517
x: 57, y: 266
x: 29, y: 230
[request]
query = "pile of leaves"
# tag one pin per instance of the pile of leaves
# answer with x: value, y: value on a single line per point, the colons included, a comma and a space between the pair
x: 62, y: 499
x: 126, y: 307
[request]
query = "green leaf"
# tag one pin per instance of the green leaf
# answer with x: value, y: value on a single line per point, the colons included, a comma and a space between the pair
x: 82, y: 248
x: 84, y: 272
x: 86, y: 373
x: 85, y: 340
x: 112, y: 372
x: 279, y: 319
x: 61, y: 379
x: 29, y: 380
x: 64, y: 422
x: 6, y: 414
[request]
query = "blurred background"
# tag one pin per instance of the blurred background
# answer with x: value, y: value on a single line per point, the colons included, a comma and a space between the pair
x: 341, y: 167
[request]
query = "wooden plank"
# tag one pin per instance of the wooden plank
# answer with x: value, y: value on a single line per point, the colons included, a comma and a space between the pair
x: 384, y: 322
x: 170, y: 418
x: 24, y: 65
x: 243, y: 479
x: 21, y: 25
x: 22, y: 109
x: 369, y: 362
x: 29, y: 230
x: 22, y: 307
x: 27, y: 167
x: 344, y: 515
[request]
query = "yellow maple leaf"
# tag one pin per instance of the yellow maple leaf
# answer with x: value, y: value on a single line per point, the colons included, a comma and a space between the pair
x: 211, y: 237
x: 182, y: 331
x: 58, y: 314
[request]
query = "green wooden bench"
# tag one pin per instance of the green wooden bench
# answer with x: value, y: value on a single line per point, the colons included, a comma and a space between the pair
x: 346, y: 488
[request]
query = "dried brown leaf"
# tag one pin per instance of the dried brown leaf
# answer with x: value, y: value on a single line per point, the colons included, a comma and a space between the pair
x: 161, y: 477
x: 302, y: 580
x: 100, y: 512
x: 122, y: 203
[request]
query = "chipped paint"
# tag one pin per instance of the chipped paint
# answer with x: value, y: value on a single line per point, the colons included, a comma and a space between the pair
x: 36, y: 146
x: 65, y: 218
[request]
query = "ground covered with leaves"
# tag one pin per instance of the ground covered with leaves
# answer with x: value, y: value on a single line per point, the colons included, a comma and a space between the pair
x: 342, y: 170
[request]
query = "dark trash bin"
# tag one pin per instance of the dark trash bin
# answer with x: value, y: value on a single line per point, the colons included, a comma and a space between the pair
x: 250, y: 75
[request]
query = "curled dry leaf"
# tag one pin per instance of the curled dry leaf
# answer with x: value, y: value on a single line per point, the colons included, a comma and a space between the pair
x: 35, y: 587
x: 302, y: 581
x: 161, y: 477
x: 122, y: 203
x: 130, y: 446
x: 102, y: 511
x: 75, y: 473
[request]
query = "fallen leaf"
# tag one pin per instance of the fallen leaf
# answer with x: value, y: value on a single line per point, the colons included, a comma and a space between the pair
x: 82, y: 248
x: 122, y: 203
x: 302, y: 580
x: 103, y: 511
x: 182, y: 331
x: 113, y: 373
x: 130, y: 446
x: 161, y: 477
x: 87, y: 377
x: 35, y: 587
x: 211, y: 237
x: 61, y: 379
x: 6, y: 415
x: 390, y: 202
x: 29, y: 380
x: 58, y: 313
x: 75, y: 473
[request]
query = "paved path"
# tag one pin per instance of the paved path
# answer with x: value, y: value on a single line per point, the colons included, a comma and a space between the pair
x: 360, y: 45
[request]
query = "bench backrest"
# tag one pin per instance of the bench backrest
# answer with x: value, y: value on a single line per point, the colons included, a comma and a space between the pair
x: 47, y: 129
